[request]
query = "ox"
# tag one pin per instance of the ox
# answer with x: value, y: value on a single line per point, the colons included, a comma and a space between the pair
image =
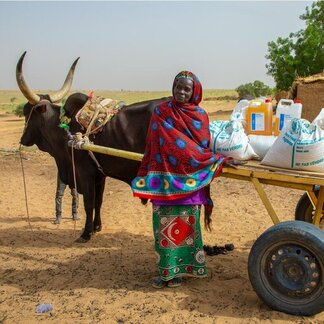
x: 126, y: 131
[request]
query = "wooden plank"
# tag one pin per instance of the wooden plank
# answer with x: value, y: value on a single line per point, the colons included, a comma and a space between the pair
x: 319, y: 207
x: 312, y: 197
x: 265, y: 200
x: 284, y: 184
x: 256, y: 165
x: 283, y: 175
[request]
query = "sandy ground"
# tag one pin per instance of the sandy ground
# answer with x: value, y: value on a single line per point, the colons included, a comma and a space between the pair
x: 108, y: 279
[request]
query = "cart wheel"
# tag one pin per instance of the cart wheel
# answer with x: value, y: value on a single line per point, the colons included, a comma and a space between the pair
x: 304, y: 210
x: 286, y: 268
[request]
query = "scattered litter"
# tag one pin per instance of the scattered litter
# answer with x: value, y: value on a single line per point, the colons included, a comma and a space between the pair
x: 43, y: 308
x: 214, y: 250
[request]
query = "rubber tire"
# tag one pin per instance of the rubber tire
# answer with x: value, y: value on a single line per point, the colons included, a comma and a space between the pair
x: 309, y: 238
x: 304, y: 208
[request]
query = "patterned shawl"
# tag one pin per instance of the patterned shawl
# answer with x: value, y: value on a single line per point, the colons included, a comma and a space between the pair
x: 177, y: 159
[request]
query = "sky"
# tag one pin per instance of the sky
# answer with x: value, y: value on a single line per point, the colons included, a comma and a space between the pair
x: 142, y: 45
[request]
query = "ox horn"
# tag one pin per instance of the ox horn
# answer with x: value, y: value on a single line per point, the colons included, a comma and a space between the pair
x: 32, y: 97
x: 60, y: 94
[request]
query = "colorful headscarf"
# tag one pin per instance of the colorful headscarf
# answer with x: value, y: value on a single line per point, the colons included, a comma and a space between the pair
x: 177, y: 159
x: 197, y: 89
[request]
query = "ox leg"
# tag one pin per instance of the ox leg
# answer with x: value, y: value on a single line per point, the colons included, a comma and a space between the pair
x: 88, y: 199
x: 100, y: 187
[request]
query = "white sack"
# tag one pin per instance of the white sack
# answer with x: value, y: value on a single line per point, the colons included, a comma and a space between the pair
x: 261, y: 144
x: 239, y: 110
x: 300, y: 145
x: 320, y: 116
x: 229, y: 139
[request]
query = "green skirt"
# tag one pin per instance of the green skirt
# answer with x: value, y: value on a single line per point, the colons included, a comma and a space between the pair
x: 178, y: 241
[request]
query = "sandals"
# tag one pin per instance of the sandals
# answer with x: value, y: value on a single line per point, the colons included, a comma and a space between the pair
x: 159, y: 283
x: 175, y: 282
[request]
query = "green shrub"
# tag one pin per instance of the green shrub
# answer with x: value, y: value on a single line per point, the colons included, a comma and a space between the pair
x: 256, y: 89
x: 18, y: 111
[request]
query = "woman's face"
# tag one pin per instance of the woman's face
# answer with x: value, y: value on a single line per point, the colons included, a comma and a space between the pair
x: 183, y: 90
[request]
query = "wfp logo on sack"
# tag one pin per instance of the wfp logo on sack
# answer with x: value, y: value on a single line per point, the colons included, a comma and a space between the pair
x: 302, y: 126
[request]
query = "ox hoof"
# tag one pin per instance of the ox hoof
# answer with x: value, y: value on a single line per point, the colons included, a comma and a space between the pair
x: 97, y: 229
x: 82, y: 239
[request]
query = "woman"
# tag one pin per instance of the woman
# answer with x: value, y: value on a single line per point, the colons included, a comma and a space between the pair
x: 175, y: 173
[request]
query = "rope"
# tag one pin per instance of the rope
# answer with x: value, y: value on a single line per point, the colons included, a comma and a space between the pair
x: 25, y: 189
x: 23, y: 173
x: 26, y: 206
x: 96, y: 113
x: 77, y: 141
x: 75, y: 185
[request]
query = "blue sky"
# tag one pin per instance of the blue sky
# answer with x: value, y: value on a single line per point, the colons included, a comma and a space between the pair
x: 134, y: 45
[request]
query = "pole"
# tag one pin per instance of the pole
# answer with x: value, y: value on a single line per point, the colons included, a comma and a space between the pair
x: 112, y: 151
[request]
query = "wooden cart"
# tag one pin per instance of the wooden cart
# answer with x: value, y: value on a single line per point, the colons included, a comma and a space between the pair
x: 286, y: 263
x: 310, y: 182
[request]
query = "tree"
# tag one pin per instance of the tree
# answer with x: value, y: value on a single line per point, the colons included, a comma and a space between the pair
x: 301, y: 53
x: 256, y: 89
x: 19, y: 110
